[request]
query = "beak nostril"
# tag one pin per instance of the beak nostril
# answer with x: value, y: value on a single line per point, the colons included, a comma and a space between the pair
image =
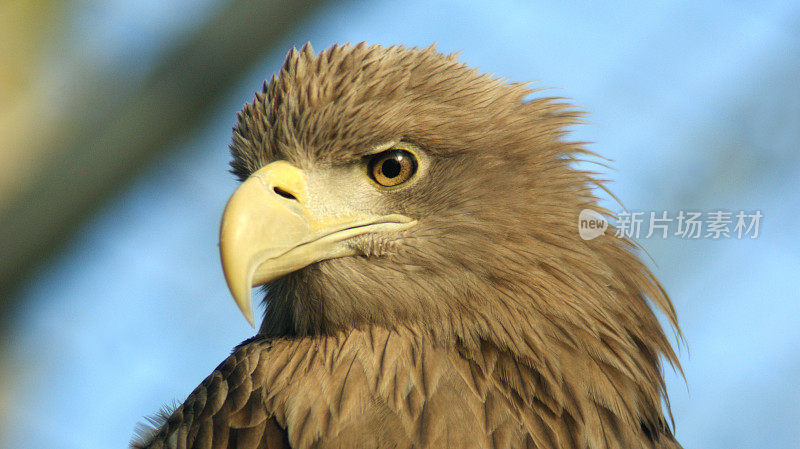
x: 284, y: 193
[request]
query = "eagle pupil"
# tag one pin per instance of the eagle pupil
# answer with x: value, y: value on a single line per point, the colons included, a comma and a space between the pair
x: 391, y: 168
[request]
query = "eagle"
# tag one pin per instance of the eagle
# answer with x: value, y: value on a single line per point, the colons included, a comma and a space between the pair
x: 414, y: 225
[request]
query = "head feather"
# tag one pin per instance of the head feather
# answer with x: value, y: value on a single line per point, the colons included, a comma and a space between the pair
x: 496, y: 259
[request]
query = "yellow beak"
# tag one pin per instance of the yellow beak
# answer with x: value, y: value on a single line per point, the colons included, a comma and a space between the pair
x: 269, y: 231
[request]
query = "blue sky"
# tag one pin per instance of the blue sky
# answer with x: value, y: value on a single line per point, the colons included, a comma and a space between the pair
x: 697, y: 104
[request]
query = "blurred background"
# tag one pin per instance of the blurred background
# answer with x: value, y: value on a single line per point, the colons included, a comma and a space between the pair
x: 115, y: 118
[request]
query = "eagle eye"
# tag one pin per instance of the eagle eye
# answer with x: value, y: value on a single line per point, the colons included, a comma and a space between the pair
x: 392, y: 167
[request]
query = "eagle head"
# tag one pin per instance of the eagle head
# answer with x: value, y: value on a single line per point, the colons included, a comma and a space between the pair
x: 393, y: 186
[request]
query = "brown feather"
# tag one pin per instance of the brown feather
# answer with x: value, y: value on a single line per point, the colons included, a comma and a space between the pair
x: 489, y: 324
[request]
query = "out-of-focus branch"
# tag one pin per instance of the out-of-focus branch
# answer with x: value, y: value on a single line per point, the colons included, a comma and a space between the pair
x: 86, y: 161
